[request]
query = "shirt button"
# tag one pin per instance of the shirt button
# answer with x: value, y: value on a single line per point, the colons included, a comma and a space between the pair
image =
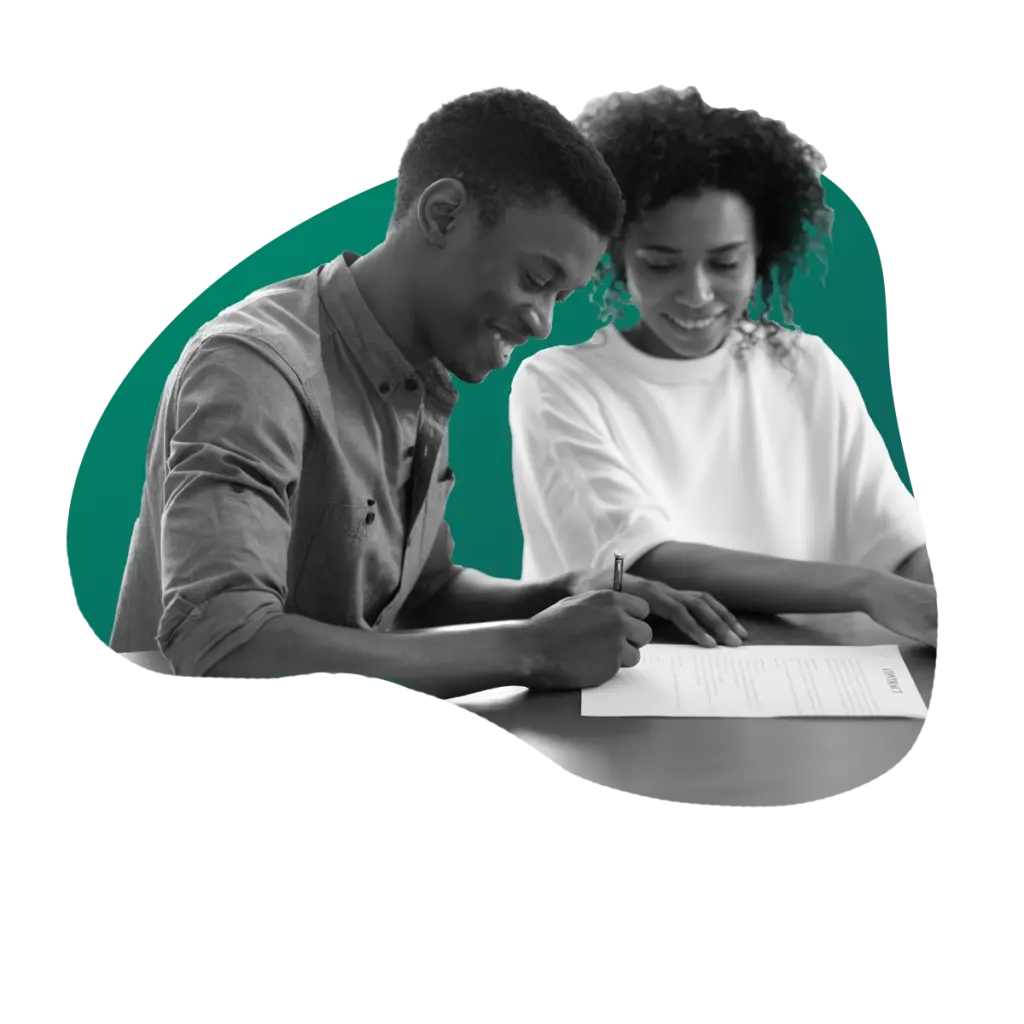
x: 370, y: 501
x: 383, y: 388
x: 410, y: 451
x: 411, y: 384
x: 370, y: 516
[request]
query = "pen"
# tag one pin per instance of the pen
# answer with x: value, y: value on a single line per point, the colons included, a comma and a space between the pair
x: 617, y: 581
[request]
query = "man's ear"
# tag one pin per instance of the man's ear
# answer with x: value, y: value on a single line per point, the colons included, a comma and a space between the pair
x: 440, y: 208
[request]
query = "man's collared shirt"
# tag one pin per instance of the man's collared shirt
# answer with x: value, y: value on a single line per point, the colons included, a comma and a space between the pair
x: 298, y: 463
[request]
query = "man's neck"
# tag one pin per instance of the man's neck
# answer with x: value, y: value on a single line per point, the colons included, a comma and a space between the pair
x: 384, y: 285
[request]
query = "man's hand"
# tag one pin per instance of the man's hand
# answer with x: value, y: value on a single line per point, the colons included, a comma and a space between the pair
x: 695, y: 614
x: 583, y: 641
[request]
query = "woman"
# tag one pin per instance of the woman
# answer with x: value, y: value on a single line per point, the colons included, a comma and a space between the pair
x: 715, y: 452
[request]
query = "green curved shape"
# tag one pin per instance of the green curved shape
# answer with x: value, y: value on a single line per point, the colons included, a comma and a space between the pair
x: 849, y: 314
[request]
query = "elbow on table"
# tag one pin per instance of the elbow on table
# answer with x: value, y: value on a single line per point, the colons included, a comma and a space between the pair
x: 209, y: 639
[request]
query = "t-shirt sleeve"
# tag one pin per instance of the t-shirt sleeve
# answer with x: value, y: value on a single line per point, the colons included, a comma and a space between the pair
x: 233, y: 462
x: 575, y: 491
x: 879, y: 521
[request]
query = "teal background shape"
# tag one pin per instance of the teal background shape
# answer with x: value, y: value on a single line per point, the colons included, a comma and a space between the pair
x: 847, y: 310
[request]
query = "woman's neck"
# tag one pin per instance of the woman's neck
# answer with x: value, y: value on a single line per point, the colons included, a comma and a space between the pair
x: 643, y: 339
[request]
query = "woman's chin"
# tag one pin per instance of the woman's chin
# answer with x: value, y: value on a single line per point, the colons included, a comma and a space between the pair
x: 676, y: 347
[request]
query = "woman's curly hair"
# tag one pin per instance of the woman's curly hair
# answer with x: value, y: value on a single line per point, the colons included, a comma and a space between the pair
x: 665, y: 143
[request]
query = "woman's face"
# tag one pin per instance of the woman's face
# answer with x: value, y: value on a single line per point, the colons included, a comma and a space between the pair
x: 691, y: 268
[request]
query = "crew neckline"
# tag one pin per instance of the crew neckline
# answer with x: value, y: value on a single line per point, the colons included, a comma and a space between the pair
x: 660, y: 370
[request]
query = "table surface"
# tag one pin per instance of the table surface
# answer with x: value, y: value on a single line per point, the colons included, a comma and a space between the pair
x: 747, y: 762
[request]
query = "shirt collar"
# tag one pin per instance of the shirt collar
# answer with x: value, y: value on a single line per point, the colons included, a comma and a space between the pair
x: 381, y: 359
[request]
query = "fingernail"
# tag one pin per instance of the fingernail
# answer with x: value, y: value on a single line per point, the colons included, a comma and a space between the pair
x: 734, y: 640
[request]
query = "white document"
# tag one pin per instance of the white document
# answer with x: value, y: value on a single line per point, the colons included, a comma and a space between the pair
x: 759, y: 682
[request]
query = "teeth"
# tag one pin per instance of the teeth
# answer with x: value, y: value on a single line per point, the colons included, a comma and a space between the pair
x: 693, y: 325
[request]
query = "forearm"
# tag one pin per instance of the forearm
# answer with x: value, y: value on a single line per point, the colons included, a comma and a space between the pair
x: 916, y: 566
x: 473, y: 597
x: 443, y: 662
x: 746, y: 582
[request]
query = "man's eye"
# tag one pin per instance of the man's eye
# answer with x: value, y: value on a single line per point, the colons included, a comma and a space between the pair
x: 536, y: 283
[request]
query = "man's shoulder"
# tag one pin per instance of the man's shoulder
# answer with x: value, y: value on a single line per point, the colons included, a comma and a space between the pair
x: 282, y: 319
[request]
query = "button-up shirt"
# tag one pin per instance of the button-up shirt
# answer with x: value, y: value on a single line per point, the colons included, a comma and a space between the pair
x: 298, y: 463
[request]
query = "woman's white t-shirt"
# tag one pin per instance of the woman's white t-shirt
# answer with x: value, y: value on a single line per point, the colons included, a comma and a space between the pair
x: 617, y: 450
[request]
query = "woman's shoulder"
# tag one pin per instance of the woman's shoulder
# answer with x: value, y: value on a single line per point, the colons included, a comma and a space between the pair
x: 793, y: 353
x: 567, y: 375
x: 581, y: 353
x: 559, y: 363
x: 794, y: 360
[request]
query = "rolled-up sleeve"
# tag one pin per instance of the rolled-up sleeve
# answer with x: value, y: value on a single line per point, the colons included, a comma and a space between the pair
x: 578, y: 499
x: 879, y: 520
x: 233, y: 463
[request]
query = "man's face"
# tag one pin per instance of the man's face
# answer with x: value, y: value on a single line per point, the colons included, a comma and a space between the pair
x: 492, y: 287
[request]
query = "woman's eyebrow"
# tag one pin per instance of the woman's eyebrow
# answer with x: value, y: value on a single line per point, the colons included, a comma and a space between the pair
x: 718, y: 250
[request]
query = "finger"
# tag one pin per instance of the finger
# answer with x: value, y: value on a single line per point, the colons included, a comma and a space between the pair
x: 694, y: 611
x: 690, y: 627
x: 727, y: 616
x: 706, y: 615
x: 630, y: 656
x: 635, y: 606
x: 638, y: 632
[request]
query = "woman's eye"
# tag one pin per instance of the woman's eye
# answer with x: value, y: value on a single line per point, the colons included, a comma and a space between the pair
x: 725, y: 266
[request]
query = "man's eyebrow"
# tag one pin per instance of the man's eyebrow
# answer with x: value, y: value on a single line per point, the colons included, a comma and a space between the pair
x: 559, y: 274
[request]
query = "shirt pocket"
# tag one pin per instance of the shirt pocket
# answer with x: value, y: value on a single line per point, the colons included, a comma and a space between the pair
x: 334, y: 580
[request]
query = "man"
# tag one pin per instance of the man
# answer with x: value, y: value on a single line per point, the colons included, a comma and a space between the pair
x: 293, y: 514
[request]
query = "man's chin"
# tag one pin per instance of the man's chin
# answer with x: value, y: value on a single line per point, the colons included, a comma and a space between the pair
x: 468, y: 375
